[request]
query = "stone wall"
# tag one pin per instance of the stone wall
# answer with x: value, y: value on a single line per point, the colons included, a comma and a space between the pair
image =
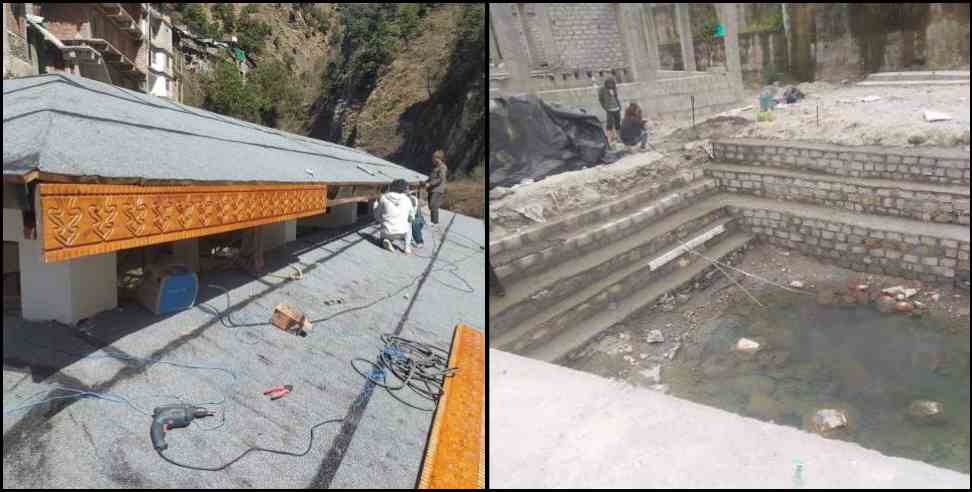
x: 757, y: 50
x: 662, y: 97
x: 876, y: 198
x: 861, y: 249
x: 856, y: 39
x: 929, y: 166
x: 543, y: 256
x: 586, y: 35
x: 616, y: 293
x: 662, y: 243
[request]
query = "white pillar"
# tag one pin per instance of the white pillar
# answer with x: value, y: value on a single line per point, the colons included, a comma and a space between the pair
x: 279, y: 234
x: 187, y: 253
x: 67, y: 291
x: 685, y: 36
x: 338, y: 216
x: 6, y: 45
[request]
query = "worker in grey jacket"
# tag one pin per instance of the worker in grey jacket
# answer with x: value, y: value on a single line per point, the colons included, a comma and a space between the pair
x: 437, y: 184
x: 611, y: 103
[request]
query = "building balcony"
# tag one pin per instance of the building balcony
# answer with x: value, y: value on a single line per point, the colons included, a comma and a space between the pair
x: 123, y: 17
x: 112, y: 56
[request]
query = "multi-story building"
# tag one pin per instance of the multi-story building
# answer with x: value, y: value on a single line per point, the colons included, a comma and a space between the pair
x: 124, y: 44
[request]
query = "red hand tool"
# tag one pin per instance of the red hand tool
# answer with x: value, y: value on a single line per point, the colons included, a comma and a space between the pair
x: 279, y: 391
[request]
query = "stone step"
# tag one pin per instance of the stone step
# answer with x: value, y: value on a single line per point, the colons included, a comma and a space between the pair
x: 573, y: 338
x: 911, y: 83
x: 610, y: 289
x: 539, y: 249
x: 865, y: 243
x: 529, y: 296
x: 945, y: 204
x: 909, y: 76
x: 931, y: 165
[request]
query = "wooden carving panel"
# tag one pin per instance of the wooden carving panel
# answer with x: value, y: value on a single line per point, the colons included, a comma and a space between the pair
x: 81, y: 220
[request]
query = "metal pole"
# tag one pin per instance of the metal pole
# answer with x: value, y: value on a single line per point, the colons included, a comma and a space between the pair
x: 693, y: 112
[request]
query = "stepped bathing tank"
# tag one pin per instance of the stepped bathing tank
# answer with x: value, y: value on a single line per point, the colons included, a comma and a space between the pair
x: 590, y: 290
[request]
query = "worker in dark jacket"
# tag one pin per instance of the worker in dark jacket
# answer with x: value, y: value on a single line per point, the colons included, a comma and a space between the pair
x: 494, y: 284
x: 611, y: 103
x: 437, y: 184
x: 633, y: 129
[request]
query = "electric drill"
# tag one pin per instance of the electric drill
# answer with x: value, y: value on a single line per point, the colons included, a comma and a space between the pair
x: 174, y: 417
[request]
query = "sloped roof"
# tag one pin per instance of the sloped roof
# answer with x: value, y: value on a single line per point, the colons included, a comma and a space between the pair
x: 67, y: 125
x: 88, y: 443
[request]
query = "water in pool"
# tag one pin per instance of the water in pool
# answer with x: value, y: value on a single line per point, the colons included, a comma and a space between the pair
x: 870, y: 365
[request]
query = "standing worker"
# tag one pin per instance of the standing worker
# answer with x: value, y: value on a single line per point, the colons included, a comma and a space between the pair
x: 608, y: 97
x: 437, y: 184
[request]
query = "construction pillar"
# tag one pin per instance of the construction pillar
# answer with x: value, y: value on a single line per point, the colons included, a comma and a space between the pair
x: 684, y: 23
x: 6, y: 42
x: 66, y: 291
x: 729, y: 14
x: 186, y: 253
x: 279, y: 233
x: 550, y: 52
x: 515, y: 56
x: 632, y: 26
x: 341, y: 215
x: 651, y: 39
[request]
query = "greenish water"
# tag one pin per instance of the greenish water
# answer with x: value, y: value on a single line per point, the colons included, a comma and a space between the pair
x: 855, y: 359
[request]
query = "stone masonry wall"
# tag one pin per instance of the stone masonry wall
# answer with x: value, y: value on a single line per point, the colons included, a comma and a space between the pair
x: 534, y: 305
x: 853, y: 195
x: 614, y: 294
x: 536, y: 259
x: 945, y: 166
x: 662, y: 97
x: 586, y: 35
x: 862, y: 249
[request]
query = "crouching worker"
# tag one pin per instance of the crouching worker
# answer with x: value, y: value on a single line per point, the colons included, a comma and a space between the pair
x: 419, y: 222
x: 395, y: 213
x: 633, y: 129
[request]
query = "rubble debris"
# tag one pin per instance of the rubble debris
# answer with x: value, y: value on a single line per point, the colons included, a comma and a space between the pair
x: 747, y: 346
x: 796, y: 284
x: 290, y: 320
x: 933, y: 116
x: 828, y: 420
x: 904, y: 307
x: 670, y: 355
x: 653, y: 375
x: 661, y: 388
x: 900, y: 291
x: 655, y: 336
x: 533, y: 212
x: 926, y: 412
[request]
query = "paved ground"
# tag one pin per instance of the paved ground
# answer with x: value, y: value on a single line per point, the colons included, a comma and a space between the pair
x: 98, y: 444
x: 576, y: 430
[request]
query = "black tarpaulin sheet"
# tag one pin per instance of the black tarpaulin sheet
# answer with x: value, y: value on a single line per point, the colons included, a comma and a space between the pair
x: 530, y: 139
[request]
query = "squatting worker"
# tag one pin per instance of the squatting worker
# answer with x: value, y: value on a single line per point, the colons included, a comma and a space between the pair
x: 437, y: 184
x: 633, y: 129
x: 608, y: 96
x: 395, y: 213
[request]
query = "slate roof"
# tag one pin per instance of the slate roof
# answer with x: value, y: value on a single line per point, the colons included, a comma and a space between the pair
x: 381, y: 443
x: 67, y: 125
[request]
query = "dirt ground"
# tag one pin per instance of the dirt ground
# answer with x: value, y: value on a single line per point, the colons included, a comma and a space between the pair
x: 622, y: 353
x: 896, y: 119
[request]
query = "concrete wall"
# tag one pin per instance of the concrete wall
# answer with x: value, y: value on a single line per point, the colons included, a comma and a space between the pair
x: 338, y: 216
x: 855, y: 39
x: 552, y: 428
x: 945, y: 206
x: 712, y: 92
x: 586, y: 35
x: 945, y: 167
x: 757, y: 50
x: 862, y: 249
